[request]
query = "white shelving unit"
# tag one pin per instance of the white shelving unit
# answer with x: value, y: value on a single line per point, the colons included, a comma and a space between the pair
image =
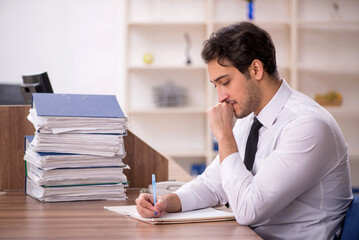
x: 317, y: 48
x: 158, y: 27
x: 327, y: 59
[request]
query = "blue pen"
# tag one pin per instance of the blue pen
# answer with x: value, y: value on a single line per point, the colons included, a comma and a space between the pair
x: 154, y: 190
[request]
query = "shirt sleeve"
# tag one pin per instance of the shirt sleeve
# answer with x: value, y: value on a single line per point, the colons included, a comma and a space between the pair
x: 306, y: 152
x: 204, y: 191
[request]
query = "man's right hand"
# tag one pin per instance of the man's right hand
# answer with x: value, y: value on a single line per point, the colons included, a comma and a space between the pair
x: 145, y: 206
x: 166, y: 203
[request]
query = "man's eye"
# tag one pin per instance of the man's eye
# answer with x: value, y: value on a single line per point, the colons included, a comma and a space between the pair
x: 225, y: 83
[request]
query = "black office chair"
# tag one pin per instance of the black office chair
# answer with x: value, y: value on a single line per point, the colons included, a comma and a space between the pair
x: 36, y: 83
x: 350, y: 230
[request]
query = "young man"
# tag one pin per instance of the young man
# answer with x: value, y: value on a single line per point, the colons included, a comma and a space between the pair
x: 299, y: 185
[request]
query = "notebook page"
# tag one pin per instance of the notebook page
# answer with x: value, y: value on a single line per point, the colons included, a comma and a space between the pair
x: 201, y: 215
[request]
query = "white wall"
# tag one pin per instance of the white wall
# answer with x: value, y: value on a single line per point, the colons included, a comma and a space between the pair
x: 78, y: 42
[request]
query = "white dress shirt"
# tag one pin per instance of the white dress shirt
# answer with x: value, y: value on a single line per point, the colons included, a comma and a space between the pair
x: 300, y: 187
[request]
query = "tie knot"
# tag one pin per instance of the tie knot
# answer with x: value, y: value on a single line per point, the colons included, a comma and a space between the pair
x: 256, y: 125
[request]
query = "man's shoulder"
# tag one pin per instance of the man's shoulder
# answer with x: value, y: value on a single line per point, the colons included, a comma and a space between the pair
x: 301, y: 111
x: 302, y: 106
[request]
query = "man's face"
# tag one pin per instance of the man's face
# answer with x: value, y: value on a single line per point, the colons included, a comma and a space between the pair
x: 234, y: 88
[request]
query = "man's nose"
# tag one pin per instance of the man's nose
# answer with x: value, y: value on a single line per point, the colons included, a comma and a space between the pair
x: 221, y: 94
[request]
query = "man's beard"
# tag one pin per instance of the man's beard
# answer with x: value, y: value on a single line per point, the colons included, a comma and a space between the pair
x: 254, y: 96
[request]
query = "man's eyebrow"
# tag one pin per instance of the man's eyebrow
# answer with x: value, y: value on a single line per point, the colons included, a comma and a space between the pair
x: 219, y: 78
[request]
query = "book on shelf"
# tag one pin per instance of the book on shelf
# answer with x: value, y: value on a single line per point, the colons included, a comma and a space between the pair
x: 77, y: 151
x: 200, y: 215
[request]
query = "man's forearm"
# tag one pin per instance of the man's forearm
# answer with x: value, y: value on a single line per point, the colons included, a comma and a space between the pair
x: 173, y: 203
x: 226, y: 146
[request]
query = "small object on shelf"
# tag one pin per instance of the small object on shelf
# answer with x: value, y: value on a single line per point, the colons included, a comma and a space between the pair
x: 250, y: 9
x: 188, y: 48
x: 170, y: 95
x: 197, y: 169
x: 335, y: 10
x: 331, y: 98
x: 148, y: 58
x: 215, y: 143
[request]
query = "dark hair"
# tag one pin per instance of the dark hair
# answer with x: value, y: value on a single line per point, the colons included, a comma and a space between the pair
x: 240, y: 44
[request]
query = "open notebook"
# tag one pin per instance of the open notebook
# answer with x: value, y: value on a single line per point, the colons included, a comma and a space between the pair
x: 201, y: 215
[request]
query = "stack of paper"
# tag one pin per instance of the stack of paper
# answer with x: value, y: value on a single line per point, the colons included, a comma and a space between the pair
x: 77, y: 150
x: 52, y: 160
x: 77, y: 124
x: 96, y: 144
x: 75, y: 193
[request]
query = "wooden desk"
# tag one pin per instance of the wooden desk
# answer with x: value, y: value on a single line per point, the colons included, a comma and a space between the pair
x: 22, y: 217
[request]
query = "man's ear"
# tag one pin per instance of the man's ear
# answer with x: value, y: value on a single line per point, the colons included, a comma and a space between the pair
x: 257, y: 67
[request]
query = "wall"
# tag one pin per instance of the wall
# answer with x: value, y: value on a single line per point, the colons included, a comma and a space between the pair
x: 79, y: 43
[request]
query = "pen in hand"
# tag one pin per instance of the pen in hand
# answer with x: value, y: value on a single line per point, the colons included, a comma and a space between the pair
x: 154, y: 190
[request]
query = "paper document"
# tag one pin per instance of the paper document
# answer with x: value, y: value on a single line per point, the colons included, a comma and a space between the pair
x: 77, y: 113
x: 92, y: 144
x: 201, y: 215
x: 75, y: 176
x: 50, y: 160
x: 75, y: 193
x: 78, y: 148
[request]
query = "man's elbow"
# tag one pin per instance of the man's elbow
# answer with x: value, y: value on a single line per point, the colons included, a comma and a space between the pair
x: 246, y: 220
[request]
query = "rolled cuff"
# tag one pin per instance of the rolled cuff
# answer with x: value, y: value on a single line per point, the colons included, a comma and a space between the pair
x: 233, y: 167
x: 188, y: 200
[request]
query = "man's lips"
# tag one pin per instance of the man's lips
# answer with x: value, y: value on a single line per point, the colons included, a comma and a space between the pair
x: 232, y: 102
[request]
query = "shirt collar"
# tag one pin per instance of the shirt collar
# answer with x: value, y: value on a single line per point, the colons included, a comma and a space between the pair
x: 270, y: 112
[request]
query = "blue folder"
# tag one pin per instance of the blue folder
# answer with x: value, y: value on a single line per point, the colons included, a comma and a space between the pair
x: 76, y: 105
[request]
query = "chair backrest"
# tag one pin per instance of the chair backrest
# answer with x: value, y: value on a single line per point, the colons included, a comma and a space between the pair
x: 35, y: 83
x: 350, y: 229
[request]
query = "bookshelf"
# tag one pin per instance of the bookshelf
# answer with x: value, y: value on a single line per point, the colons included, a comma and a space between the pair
x: 158, y: 27
x: 326, y: 59
x: 313, y: 43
